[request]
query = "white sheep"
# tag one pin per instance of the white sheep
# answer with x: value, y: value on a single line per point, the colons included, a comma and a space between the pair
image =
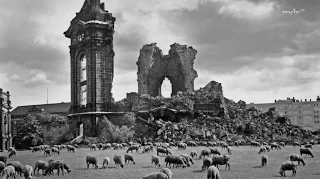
x: 194, y: 153
x: 40, y: 165
x: 156, y: 160
x: 27, y: 172
x: 118, y: 160
x: 167, y: 172
x: 206, y: 163
x: 156, y: 175
x: 128, y: 158
x: 106, y: 160
x: 213, y: 173
x: 8, y: 171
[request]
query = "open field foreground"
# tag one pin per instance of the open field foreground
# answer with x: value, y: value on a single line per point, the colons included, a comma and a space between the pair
x: 245, y: 163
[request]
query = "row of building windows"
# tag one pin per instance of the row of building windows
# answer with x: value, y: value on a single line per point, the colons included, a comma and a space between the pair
x: 317, y: 122
x: 317, y: 116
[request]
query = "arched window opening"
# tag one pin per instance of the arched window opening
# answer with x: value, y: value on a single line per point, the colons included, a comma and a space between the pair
x: 83, y: 70
x: 83, y: 80
x: 166, y: 88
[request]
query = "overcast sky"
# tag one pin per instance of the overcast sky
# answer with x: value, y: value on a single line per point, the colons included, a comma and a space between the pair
x: 258, y: 52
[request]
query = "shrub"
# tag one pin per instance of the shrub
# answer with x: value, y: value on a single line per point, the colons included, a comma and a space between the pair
x: 113, y: 133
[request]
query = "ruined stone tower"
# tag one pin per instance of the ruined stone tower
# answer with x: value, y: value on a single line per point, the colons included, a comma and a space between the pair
x: 177, y: 66
x: 92, y: 62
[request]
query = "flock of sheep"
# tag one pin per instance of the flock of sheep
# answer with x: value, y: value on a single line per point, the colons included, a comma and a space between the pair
x: 212, y: 156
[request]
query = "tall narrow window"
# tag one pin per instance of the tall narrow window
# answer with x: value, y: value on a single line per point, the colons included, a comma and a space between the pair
x: 83, y: 80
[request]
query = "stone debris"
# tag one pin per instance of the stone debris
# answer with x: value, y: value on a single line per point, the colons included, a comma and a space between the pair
x: 205, y: 114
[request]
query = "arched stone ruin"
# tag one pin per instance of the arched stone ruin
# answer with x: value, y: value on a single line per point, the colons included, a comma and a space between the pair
x: 177, y: 66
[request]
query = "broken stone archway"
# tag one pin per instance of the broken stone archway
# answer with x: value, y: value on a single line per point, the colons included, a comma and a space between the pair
x: 154, y: 67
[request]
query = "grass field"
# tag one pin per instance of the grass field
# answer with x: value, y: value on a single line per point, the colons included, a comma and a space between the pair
x: 245, y: 163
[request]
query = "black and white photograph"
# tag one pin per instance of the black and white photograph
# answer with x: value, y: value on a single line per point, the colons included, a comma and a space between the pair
x: 159, y: 89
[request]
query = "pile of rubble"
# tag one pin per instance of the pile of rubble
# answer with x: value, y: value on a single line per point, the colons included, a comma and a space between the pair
x: 239, y: 123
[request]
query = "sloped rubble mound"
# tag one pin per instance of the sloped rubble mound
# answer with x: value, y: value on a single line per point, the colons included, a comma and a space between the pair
x: 239, y: 123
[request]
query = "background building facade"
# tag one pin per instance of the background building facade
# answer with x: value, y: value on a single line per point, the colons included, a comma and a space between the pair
x: 302, y: 113
x: 51, y: 131
x: 5, y: 117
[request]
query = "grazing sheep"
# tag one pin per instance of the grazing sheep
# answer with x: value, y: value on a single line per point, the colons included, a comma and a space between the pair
x: 92, y: 160
x: 182, y: 146
x: 156, y: 175
x: 56, y: 164
x: 229, y: 150
x: 118, y: 160
x: 66, y: 167
x: 47, y: 152
x: 275, y: 145
x: 193, y: 144
x: 126, y: 145
x: 93, y: 147
x: 213, y: 173
x: 193, y: 153
x: 106, y: 160
x: 99, y: 146
x: 221, y: 160
x: 163, y: 151
x: 298, y: 158
x: 306, y: 151
x: 215, y: 151
x: 308, y: 146
x: 203, y: 143
x: 35, y: 149
x: 205, y: 152
x: 264, y: 160
x: 167, y: 172
x: 106, y: 146
x: 55, y: 150
x: 12, y: 153
x: 3, y: 159
x: 265, y: 143
x: 296, y: 144
x: 255, y: 144
x: 133, y: 147
x: 267, y: 148
x: 282, y: 144
x: 40, y: 165
x: 128, y: 158
x: 71, y: 148
x: 185, y: 160
x: 18, y: 167
x: 117, y: 147
x: 236, y: 143
x: 262, y: 150
x: 2, y: 166
x: 147, y: 149
x: 156, y: 160
x: 76, y: 146
x: 224, y: 145
x: 189, y: 158
x: 11, y: 149
x: 206, y: 163
x: 175, y: 160
x: 288, y: 166
x: 27, y: 172
x: 7, y: 172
